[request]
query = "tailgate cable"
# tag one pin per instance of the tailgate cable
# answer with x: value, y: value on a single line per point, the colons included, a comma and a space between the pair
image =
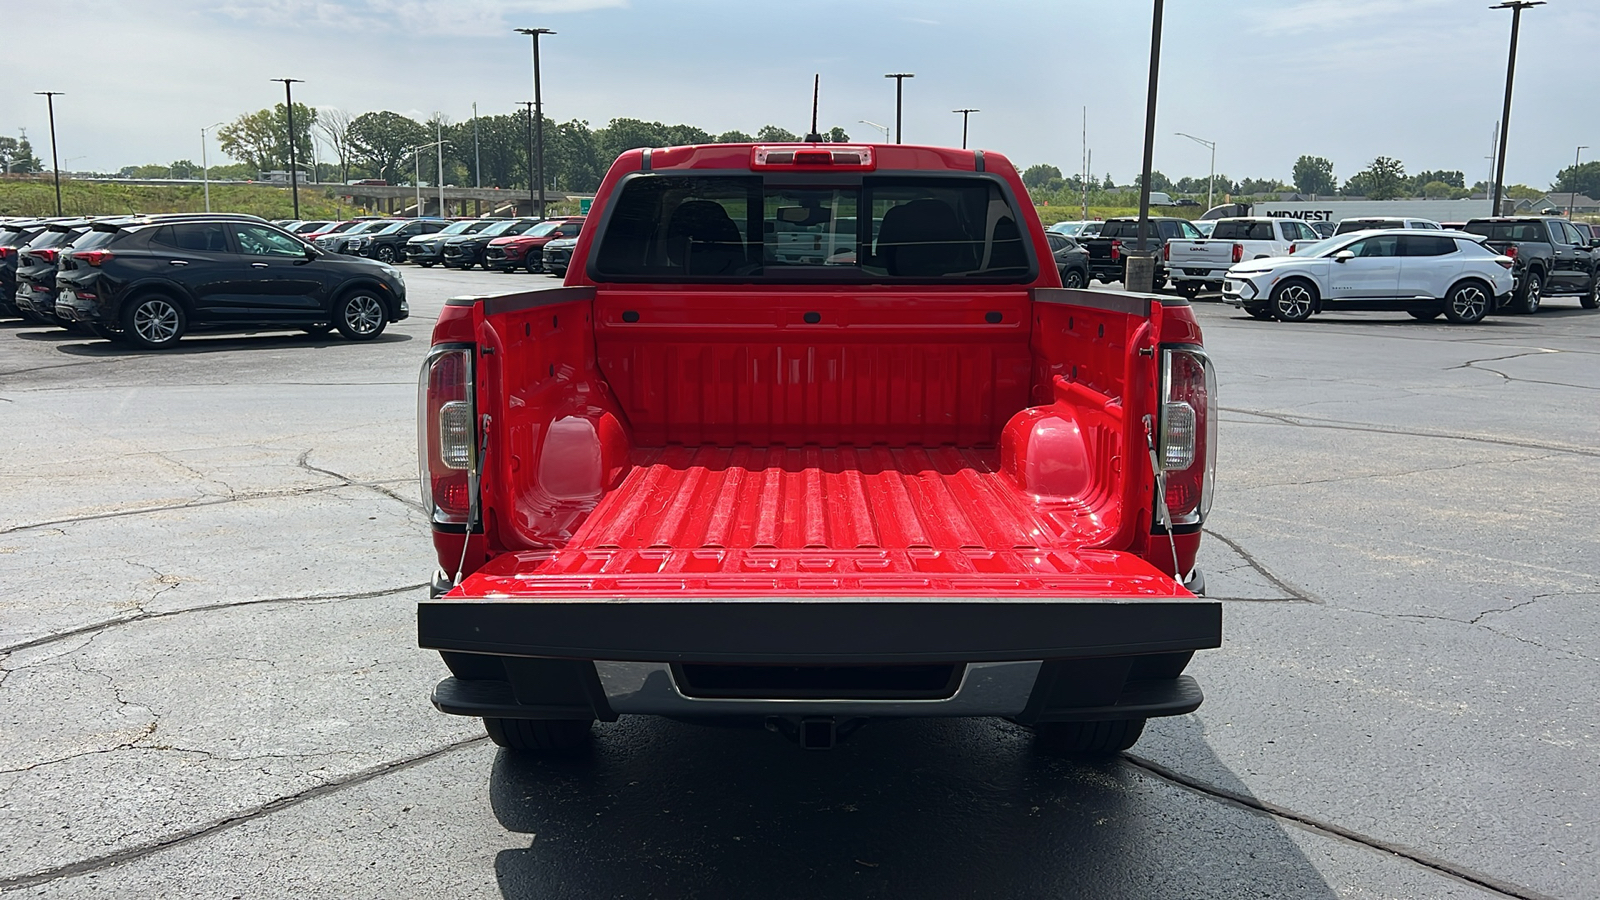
x: 1163, y: 515
x: 474, y: 483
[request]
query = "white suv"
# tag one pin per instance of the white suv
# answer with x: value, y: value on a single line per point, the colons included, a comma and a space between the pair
x: 1420, y: 272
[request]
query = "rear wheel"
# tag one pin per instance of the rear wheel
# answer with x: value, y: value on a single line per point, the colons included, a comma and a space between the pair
x: 1531, y: 295
x: 1293, y: 301
x: 1467, y: 303
x: 360, y: 315
x: 1088, y: 738
x: 1421, y: 315
x: 551, y: 736
x: 1591, y: 300
x: 154, y: 322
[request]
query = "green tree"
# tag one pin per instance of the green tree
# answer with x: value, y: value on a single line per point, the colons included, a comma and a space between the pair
x: 16, y: 156
x: 622, y: 135
x: 1384, y: 179
x: 1039, y: 174
x: 381, y: 141
x: 734, y: 137
x: 260, y: 139
x: 1584, y: 179
x: 1158, y: 182
x: 1108, y: 184
x: 772, y: 134
x: 685, y: 135
x: 578, y: 163
x: 1451, y: 177
x: 836, y: 135
x: 1437, y: 190
x: 1314, y: 175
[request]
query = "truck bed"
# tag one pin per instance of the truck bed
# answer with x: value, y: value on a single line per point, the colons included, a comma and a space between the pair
x: 867, y: 521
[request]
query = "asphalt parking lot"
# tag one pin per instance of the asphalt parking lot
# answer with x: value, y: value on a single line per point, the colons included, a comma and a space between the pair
x: 209, y: 685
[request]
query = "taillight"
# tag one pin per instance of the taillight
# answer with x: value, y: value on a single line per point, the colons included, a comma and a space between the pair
x: 1238, y: 253
x: 1116, y: 250
x: 1511, y: 251
x: 92, y: 257
x: 7, y: 252
x: 1188, y: 442
x: 44, y: 254
x: 447, y: 452
x: 1292, y: 249
x: 1166, y: 252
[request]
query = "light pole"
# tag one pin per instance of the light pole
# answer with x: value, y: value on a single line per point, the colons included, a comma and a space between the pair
x: 477, y: 158
x: 964, y: 114
x: 538, y: 112
x: 1516, y: 7
x: 416, y: 177
x: 205, y: 167
x: 438, y: 133
x: 532, y: 201
x: 882, y: 128
x: 1573, y: 198
x: 899, y: 83
x: 1211, y: 181
x: 288, y: 108
x: 50, y: 101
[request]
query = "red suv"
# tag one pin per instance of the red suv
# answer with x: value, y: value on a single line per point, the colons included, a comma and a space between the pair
x: 527, y: 249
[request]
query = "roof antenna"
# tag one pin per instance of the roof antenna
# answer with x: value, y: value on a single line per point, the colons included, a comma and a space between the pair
x: 816, y: 85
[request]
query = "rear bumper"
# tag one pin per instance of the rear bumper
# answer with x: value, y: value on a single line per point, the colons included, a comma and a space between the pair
x: 1031, y: 660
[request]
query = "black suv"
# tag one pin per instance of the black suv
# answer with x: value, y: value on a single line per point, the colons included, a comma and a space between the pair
x: 387, y: 244
x: 467, y: 250
x: 36, y: 269
x: 14, y: 236
x: 150, y: 280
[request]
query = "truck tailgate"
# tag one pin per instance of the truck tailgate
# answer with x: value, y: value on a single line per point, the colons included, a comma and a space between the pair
x: 821, y: 555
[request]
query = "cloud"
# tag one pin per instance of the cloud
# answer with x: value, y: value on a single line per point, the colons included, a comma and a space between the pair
x: 475, y: 18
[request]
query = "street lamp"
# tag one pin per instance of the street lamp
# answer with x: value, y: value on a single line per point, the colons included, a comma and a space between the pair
x: 477, y: 158
x: 538, y: 110
x: 205, y: 168
x: 294, y: 175
x: 899, y: 83
x: 882, y: 128
x: 1211, y: 181
x: 1574, y: 196
x: 1516, y: 7
x: 50, y: 101
x: 416, y: 177
x: 964, y: 114
x: 532, y: 202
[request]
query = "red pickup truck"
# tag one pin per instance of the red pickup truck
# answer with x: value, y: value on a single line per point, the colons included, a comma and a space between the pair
x: 812, y: 435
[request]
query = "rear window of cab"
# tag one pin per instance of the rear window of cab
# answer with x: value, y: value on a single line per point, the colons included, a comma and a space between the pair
x: 870, y: 228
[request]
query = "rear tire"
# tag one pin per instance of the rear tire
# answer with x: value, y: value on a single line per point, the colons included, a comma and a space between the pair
x: 1532, y: 294
x: 1294, y: 300
x: 548, y: 736
x: 1088, y: 738
x: 360, y: 315
x: 1591, y: 300
x: 1467, y: 303
x: 154, y: 322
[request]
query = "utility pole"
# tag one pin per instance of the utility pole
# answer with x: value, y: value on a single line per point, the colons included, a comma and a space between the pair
x: 50, y: 101
x: 964, y: 114
x: 205, y: 168
x: 899, y: 96
x: 532, y: 199
x: 1211, y: 183
x: 538, y: 113
x: 1141, y: 269
x: 477, y: 158
x: 1083, y: 164
x: 438, y: 134
x: 882, y: 128
x: 1516, y: 7
x: 1573, y: 198
x: 294, y: 176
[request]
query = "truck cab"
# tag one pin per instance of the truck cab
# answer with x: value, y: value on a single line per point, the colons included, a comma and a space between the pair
x: 810, y: 436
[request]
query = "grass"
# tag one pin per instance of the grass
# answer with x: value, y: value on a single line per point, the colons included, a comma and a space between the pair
x: 37, y: 197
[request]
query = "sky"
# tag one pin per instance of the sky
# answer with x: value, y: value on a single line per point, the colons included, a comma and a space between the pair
x: 1267, y: 80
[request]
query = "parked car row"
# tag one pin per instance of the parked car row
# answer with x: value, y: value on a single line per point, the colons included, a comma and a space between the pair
x: 492, y: 243
x: 149, y: 280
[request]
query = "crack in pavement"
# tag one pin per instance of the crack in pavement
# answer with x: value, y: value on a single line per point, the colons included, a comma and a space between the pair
x: 374, y: 486
x: 1293, y: 593
x: 167, y: 507
x: 1377, y: 475
x: 1341, y: 425
x: 1426, y: 860
x: 98, y: 863
x: 142, y: 616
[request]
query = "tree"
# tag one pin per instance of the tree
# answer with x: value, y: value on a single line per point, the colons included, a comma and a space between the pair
x: 16, y: 156
x: 1039, y: 174
x: 1584, y: 179
x: 1314, y: 175
x: 1437, y: 190
x: 772, y: 134
x: 260, y: 139
x: 685, y: 135
x: 334, y: 126
x: 578, y: 163
x: 734, y: 137
x: 1384, y: 179
x: 836, y: 135
x: 383, y: 140
x: 622, y: 135
x: 1158, y: 182
x: 1108, y: 184
x: 1451, y: 177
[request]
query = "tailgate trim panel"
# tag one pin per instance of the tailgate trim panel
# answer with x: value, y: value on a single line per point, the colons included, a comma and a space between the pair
x: 799, y: 630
